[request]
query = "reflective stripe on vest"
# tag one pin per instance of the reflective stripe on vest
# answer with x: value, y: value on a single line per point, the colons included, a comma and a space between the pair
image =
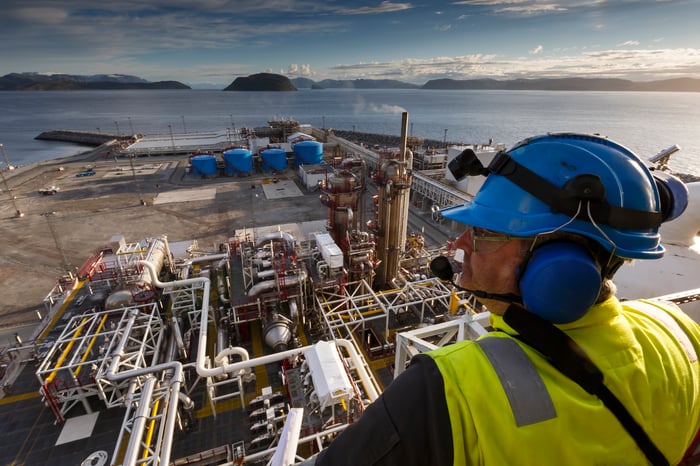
x: 528, y: 397
x: 662, y: 317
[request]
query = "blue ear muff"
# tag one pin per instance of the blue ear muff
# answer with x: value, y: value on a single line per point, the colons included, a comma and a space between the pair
x: 560, y: 282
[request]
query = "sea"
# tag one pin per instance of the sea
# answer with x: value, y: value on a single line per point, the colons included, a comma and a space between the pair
x: 645, y: 122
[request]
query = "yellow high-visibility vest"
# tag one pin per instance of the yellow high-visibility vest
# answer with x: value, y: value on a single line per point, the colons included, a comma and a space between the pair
x: 509, y: 406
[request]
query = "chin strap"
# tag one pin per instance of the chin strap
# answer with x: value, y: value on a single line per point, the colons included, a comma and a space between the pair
x: 569, y: 358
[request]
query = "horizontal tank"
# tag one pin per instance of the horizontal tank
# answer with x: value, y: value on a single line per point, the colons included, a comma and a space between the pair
x: 274, y: 160
x: 204, y: 165
x: 308, y: 153
x: 238, y: 161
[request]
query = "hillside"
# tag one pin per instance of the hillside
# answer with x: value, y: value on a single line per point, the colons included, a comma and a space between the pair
x: 566, y: 84
x: 62, y: 82
x: 545, y: 84
x: 262, y: 82
x: 353, y: 84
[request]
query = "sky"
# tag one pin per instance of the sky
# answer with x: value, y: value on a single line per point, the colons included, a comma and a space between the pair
x: 211, y: 42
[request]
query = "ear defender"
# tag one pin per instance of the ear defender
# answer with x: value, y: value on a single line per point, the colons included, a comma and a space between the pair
x: 560, y: 282
x: 673, y: 195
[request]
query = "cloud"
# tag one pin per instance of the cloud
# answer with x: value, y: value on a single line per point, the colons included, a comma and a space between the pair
x: 532, y: 9
x: 299, y: 70
x: 384, y: 7
x: 537, y: 50
x: 630, y: 64
x: 527, y: 7
x: 629, y: 43
x: 45, y: 15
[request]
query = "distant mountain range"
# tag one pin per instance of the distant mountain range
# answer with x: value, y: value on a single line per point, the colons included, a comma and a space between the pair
x: 55, y: 82
x: 560, y: 84
x: 304, y: 83
x: 277, y: 82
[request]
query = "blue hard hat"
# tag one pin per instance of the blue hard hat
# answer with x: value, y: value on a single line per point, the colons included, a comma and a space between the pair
x: 578, y: 183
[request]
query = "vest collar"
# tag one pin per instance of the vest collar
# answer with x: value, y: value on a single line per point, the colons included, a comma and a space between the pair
x: 598, y: 314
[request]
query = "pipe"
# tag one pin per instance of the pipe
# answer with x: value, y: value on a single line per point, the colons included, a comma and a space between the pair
x: 177, y: 333
x: 370, y: 389
x: 171, y: 415
x: 187, y: 265
x: 139, y: 425
x: 86, y: 354
x: 202, y: 370
x: 66, y: 351
x: 264, y: 274
x: 294, y: 311
x: 221, y: 344
x: 246, y: 362
x: 157, y: 250
x: 222, y: 281
x: 267, y: 285
x: 283, y: 235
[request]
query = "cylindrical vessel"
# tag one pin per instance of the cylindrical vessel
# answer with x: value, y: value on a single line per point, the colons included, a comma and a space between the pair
x: 274, y: 159
x: 204, y: 165
x: 238, y: 161
x: 308, y: 153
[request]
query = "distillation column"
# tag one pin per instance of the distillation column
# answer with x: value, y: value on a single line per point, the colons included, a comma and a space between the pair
x: 393, y: 191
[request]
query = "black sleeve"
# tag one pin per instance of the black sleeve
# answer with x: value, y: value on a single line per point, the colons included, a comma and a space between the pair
x: 407, y: 425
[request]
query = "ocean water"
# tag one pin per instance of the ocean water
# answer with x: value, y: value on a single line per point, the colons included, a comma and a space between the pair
x: 646, y: 122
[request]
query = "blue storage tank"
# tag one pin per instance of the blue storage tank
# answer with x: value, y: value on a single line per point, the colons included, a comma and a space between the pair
x: 204, y: 165
x: 308, y: 153
x: 238, y: 161
x: 274, y: 159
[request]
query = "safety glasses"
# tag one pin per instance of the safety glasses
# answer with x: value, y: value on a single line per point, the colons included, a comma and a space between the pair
x: 484, y: 240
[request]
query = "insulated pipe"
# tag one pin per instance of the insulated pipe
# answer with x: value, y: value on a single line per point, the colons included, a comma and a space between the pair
x: 265, y: 274
x: 221, y: 344
x: 209, y: 258
x: 119, y: 350
x: 294, y: 311
x: 177, y: 333
x: 248, y: 363
x: 202, y: 369
x: 267, y: 285
x: 274, y: 235
x: 157, y: 251
x: 360, y: 368
x: 171, y: 415
x: 139, y: 425
x: 222, y: 286
x: 187, y: 265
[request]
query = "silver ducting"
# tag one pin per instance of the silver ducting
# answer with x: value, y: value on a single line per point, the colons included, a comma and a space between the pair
x: 267, y: 285
x: 275, y: 235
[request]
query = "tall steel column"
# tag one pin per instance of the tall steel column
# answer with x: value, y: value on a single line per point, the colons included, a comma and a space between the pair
x: 393, y: 188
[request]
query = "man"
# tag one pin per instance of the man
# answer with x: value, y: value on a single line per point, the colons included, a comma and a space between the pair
x: 571, y: 375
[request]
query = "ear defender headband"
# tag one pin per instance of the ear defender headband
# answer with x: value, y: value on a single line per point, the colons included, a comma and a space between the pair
x: 585, y: 187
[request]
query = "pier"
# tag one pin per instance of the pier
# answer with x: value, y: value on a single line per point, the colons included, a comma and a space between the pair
x: 87, y: 138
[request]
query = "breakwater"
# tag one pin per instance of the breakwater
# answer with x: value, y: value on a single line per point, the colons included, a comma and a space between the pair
x: 88, y: 138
